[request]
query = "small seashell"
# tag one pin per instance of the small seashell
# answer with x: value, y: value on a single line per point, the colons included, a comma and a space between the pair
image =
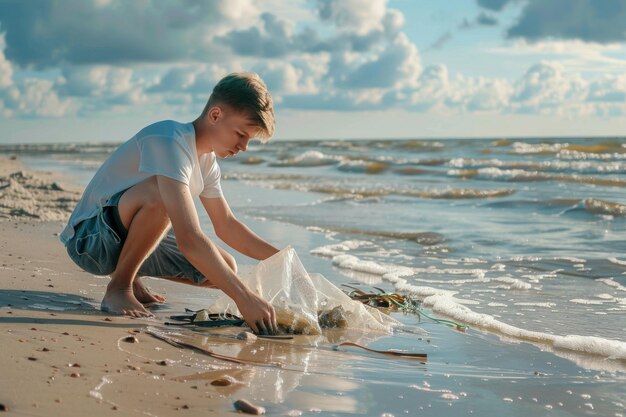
x: 4, y: 407
x: 201, y: 315
x: 75, y: 375
x: 32, y: 358
x: 247, y: 407
x: 130, y: 339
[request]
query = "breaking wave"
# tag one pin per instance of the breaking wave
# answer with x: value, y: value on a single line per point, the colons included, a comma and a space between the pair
x: 519, y: 175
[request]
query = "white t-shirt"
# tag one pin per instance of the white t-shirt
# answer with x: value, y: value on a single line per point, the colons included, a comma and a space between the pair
x: 165, y: 148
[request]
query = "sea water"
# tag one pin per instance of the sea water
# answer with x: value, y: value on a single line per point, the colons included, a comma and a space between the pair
x: 523, y: 240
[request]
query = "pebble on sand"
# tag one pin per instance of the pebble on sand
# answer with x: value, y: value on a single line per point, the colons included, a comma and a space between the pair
x: 3, y: 407
x: 223, y: 381
x: 130, y: 339
x: 247, y: 407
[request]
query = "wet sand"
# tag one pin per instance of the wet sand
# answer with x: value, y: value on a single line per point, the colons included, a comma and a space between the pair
x: 62, y: 356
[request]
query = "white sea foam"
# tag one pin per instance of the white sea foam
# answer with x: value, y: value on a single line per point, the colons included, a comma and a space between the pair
x: 339, y: 248
x: 571, y: 259
x: 586, y: 301
x: 605, y: 296
x: 617, y: 261
x: 444, y: 302
x: 455, y: 281
x: 514, y: 283
x: 546, y: 305
x: 612, y: 283
x: 540, y: 148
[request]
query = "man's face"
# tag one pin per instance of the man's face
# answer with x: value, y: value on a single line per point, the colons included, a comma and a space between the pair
x: 233, y: 132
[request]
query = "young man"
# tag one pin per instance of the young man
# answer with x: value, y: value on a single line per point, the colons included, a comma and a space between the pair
x: 120, y: 225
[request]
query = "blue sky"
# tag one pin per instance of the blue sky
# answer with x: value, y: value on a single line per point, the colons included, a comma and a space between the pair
x: 99, y: 70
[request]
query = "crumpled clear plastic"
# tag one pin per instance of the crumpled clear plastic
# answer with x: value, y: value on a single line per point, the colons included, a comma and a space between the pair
x: 303, y: 301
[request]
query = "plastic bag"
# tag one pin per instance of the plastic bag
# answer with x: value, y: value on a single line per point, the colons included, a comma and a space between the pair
x: 305, y: 303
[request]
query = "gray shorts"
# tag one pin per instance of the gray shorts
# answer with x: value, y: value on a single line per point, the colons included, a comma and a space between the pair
x: 98, y: 241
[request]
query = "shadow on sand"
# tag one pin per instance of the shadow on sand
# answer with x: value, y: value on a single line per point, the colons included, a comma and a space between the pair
x: 54, y: 303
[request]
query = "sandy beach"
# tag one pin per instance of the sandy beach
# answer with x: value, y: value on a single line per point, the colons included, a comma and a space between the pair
x: 62, y: 356
x: 59, y: 350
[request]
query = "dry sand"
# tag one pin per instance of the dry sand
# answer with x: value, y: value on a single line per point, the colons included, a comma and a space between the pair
x: 59, y: 352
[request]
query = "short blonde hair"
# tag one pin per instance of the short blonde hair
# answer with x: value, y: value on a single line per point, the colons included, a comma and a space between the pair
x: 246, y: 92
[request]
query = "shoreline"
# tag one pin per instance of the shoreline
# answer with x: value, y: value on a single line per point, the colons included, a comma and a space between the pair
x: 50, y: 319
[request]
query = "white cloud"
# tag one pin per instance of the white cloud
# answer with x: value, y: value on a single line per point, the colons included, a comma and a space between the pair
x: 609, y: 88
x: 95, y: 81
x: 489, y: 95
x: 6, y: 68
x: 356, y: 58
x: 397, y: 66
x: 38, y: 98
x: 545, y: 86
x: 574, y: 55
x: 360, y: 17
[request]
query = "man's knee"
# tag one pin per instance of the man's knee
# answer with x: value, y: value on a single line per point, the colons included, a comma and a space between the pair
x: 143, y: 196
x: 230, y: 260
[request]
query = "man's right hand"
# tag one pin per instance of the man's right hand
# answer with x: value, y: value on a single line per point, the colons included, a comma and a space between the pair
x: 258, y: 314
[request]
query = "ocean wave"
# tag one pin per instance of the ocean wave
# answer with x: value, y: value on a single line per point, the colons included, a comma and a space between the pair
x: 612, y: 283
x: 454, y: 193
x: 363, y: 167
x: 587, y: 351
x: 253, y: 176
x: 523, y: 148
x: 316, y: 184
x: 307, y: 159
x: 420, y: 144
x: 581, y: 167
x: 602, y: 148
x: 251, y: 160
x: 519, y: 175
x: 423, y: 238
x: 444, y: 303
x: 596, y: 206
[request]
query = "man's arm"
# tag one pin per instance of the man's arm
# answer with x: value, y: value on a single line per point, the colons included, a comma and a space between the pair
x: 234, y: 233
x: 205, y: 256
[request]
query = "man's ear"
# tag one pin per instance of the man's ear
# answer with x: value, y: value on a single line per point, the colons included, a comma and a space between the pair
x: 214, y: 114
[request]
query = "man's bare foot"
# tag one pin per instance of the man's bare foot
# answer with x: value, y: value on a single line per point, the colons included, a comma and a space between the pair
x: 122, y: 301
x: 144, y: 295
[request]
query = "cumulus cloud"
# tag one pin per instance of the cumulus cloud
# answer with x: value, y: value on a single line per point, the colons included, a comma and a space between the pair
x: 56, y: 32
x: 587, y: 20
x: 397, y: 66
x: 594, y: 21
x: 95, y: 81
x: 545, y: 87
x: 356, y: 56
x: 29, y: 97
x: 608, y: 89
x: 489, y: 95
x: 354, y: 15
